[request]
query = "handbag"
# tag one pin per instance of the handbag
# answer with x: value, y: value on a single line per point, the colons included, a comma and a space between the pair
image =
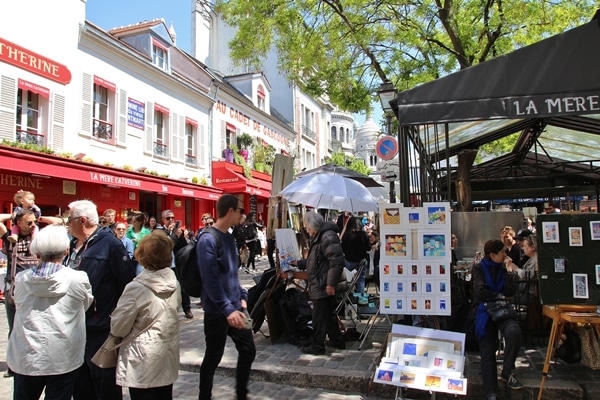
x: 500, y: 310
x: 590, y: 349
x: 107, y: 354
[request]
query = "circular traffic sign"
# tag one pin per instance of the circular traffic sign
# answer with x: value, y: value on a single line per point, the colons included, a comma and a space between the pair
x: 387, y: 148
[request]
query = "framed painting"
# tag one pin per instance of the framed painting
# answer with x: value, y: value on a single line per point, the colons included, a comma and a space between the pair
x: 437, y: 213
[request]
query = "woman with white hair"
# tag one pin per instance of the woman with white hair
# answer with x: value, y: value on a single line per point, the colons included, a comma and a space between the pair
x: 47, y: 344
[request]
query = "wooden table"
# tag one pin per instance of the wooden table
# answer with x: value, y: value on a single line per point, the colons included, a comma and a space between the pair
x: 561, y: 315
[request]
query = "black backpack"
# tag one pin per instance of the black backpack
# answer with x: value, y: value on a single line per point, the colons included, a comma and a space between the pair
x: 186, y: 265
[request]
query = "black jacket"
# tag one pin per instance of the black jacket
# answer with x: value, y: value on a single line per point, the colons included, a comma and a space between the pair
x: 355, y: 245
x: 325, y: 261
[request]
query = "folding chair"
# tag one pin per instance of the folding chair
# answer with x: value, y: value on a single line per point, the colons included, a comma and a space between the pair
x: 346, y: 300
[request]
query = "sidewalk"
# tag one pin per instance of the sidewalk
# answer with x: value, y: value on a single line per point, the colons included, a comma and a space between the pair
x: 282, y: 371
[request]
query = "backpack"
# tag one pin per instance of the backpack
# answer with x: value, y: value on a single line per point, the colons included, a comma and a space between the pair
x: 186, y: 265
x: 249, y: 232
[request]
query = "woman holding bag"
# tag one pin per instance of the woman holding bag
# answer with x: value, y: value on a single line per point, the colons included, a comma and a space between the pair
x: 491, y: 283
x: 151, y: 299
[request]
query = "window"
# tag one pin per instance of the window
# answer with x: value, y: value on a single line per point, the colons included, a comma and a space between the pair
x: 101, y: 114
x: 333, y: 133
x: 260, y: 94
x: 190, y: 141
x: 160, y: 124
x: 28, y: 118
x: 373, y: 160
x: 160, y: 55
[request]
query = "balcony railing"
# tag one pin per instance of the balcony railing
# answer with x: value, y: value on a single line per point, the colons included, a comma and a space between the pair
x: 306, y: 131
x: 102, y: 130
x: 29, y: 137
x: 160, y: 149
x: 191, y: 159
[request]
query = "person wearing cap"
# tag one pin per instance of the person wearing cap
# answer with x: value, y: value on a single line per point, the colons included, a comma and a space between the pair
x: 520, y: 237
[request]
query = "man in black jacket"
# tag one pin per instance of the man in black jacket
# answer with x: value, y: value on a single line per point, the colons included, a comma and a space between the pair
x: 97, y: 251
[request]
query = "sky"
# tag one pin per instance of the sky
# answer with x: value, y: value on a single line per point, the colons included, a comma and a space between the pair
x: 109, y: 14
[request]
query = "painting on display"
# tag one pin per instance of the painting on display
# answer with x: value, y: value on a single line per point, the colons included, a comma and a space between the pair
x: 287, y: 246
x: 433, y: 245
x: 437, y: 213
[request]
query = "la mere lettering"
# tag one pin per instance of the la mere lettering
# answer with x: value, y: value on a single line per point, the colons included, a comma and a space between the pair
x: 557, y: 105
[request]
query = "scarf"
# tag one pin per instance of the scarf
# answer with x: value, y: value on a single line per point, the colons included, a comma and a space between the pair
x: 482, y: 317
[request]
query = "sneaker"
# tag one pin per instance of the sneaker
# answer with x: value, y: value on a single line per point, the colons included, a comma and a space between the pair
x: 13, y: 239
x: 512, y: 382
x: 312, y: 349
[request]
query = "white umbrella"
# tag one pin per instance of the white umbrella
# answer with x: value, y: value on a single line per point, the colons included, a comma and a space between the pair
x: 329, y: 191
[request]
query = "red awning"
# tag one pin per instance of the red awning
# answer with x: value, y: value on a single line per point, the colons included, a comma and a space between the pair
x: 231, y: 181
x: 105, y: 84
x: 261, y: 93
x: 230, y: 127
x: 161, y: 109
x: 159, y: 44
x: 58, y: 167
x: 34, y: 87
x: 190, y: 121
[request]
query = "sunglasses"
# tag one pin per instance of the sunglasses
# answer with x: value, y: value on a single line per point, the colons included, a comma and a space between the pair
x: 169, y: 218
x: 209, y: 223
x: 241, y: 210
x: 71, y: 219
x: 29, y: 223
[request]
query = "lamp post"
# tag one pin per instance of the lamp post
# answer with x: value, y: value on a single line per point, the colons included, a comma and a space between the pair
x: 387, y: 93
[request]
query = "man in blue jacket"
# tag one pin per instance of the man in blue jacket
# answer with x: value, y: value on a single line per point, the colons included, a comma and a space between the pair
x: 223, y: 300
x: 96, y: 250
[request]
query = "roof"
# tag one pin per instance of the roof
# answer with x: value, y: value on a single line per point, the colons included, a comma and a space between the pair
x: 547, y: 93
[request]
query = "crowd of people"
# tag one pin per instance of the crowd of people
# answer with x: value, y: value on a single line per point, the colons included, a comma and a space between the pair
x: 88, y: 277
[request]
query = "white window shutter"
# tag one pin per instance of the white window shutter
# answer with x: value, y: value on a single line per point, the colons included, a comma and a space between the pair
x: 181, y: 145
x: 58, y: 123
x: 200, y: 146
x: 87, y: 88
x: 149, y: 139
x: 223, y: 137
x: 8, y: 108
x: 174, y: 150
x: 122, y: 119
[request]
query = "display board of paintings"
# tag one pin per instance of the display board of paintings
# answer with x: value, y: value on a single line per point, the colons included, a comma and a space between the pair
x: 415, y: 259
x: 425, y: 359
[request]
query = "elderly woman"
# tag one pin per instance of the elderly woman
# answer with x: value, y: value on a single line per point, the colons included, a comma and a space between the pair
x: 47, y: 344
x: 149, y: 364
x: 324, y: 264
x: 491, y: 281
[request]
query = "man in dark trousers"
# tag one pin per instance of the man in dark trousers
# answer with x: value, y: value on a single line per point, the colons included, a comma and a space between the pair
x: 96, y: 250
x: 223, y: 300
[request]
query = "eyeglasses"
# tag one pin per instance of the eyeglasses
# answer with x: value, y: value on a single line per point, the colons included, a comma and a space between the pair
x: 169, y: 218
x: 120, y: 229
x: 241, y: 210
x: 209, y: 223
x: 71, y: 219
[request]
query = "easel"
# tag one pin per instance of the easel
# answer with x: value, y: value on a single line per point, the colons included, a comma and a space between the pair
x: 561, y: 315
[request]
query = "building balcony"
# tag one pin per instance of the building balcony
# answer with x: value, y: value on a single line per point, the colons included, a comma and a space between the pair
x: 191, y: 159
x: 309, y: 133
x: 29, y: 137
x: 160, y: 149
x: 102, y: 130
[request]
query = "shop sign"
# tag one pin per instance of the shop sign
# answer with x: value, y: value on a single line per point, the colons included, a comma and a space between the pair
x: 30, y: 61
x: 135, y: 113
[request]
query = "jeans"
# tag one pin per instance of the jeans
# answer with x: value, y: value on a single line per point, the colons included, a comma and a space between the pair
x: 487, y: 348
x: 360, y: 283
x: 94, y: 382
x: 216, y: 330
x: 58, y: 387
x: 325, y: 321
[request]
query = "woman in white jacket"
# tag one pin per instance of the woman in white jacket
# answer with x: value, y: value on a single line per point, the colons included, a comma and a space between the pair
x: 46, y: 346
x: 149, y: 365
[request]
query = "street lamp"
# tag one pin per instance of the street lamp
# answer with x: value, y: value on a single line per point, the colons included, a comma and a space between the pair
x: 387, y: 93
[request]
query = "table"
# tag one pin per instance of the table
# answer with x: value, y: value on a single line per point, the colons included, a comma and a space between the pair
x: 561, y: 315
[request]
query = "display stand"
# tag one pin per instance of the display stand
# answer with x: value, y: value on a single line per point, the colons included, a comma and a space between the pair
x: 562, y: 315
x: 423, y: 359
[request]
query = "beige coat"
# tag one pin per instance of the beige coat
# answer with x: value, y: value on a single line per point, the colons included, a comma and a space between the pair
x: 152, y: 359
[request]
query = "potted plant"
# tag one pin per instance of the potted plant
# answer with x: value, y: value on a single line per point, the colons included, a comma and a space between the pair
x: 259, y: 155
x: 244, y: 142
x: 229, y: 152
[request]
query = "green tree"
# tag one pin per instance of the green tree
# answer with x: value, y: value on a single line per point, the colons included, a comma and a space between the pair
x: 350, y: 162
x: 346, y: 48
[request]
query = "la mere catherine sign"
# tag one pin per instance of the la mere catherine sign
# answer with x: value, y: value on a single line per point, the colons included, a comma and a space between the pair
x: 549, y: 105
x: 28, y: 60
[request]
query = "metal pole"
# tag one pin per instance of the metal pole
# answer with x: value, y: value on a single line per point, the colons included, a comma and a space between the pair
x: 392, y: 183
x: 403, y: 166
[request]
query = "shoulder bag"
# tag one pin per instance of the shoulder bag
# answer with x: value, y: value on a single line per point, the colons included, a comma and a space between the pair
x: 500, y: 310
x: 107, y: 354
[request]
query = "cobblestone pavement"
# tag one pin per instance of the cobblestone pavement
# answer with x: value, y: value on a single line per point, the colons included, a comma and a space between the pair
x: 281, y: 371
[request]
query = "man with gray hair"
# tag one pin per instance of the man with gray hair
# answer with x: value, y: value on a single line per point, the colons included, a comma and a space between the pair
x: 97, y: 251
